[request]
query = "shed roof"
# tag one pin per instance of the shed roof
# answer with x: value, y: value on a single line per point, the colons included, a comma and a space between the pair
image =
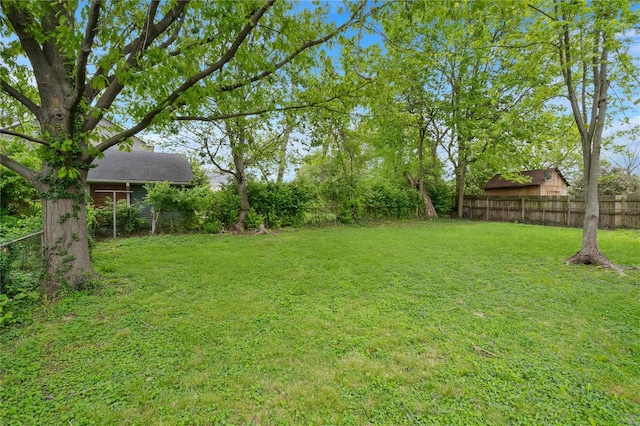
x: 140, y: 167
x: 537, y: 179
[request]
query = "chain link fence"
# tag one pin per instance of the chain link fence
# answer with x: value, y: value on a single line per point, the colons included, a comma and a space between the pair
x: 21, y: 268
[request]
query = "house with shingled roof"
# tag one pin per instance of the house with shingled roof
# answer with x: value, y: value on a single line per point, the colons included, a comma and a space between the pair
x: 545, y: 182
x: 124, y: 175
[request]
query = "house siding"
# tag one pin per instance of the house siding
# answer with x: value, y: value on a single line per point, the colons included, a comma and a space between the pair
x: 138, y: 196
x: 100, y: 198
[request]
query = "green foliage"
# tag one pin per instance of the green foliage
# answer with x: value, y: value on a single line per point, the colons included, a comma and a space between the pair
x: 21, y: 267
x: 100, y: 219
x: 12, y: 227
x: 384, y: 201
x: 278, y: 205
x: 254, y: 219
x: 442, y: 196
x: 344, y: 196
x: 18, y: 197
x: 611, y: 181
x: 223, y: 207
x: 200, y: 178
x: 187, y: 203
x: 409, y: 323
x: 212, y: 226
x: 368, y: 200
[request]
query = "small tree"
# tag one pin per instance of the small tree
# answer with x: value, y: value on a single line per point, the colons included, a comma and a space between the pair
x: 185, y: 202
x: 587, y: 35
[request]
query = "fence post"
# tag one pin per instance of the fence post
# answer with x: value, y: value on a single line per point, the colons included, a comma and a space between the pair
x: 487, y: 207
x: 620, y: 210
x: 568, y: 210
x: 624, y: 212
x: 523, y: 215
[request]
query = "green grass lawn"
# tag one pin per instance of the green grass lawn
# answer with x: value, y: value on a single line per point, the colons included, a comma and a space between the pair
x: 412, y: 323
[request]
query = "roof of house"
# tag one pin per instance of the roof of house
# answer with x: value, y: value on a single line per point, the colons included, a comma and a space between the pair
x: 538, y: 177
x: 140, y: 167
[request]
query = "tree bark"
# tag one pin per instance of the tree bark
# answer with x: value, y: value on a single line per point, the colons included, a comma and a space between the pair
x: 282, y: 154
x: 461, y: 177
x: 66, y: 241
x: 241, y: 223
x: 590, y: 135
x: 430, y: 211
x: 590, y: 253
x: 237, y: 151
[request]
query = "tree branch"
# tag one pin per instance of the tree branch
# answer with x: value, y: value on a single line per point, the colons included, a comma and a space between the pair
x: 543, y: 12
x: 83, y: 55
x: 20, y: 169
x: 144, y: 40
x: 20, y: 97
x: 179, y: 51
x: 292, y: 55
x: 146, y: 120
x: 20, y: 20
x: 565, y: 63
x: 176, y: 32
x: 265, y: 110
x: 23, y: 136
x: 133, y: 50
x: 212, y: 157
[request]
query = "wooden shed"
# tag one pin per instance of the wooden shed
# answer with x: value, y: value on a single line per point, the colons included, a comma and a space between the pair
x: 549, y: 182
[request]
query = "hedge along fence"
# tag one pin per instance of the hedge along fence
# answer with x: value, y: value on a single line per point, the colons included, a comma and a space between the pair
x: 615, y: 211
x: 21, y: 267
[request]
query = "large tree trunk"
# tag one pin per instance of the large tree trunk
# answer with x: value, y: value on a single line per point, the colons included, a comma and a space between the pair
x: 66, y: 241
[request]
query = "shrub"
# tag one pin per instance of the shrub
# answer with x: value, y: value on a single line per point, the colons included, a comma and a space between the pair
x: 384, y: 201
x: 12, y: 227
x: 100, y: 219
x: 281, y: 204
x: 21, y: 266
x: 254, y: 219
x: 443, y: 197
x: 223, y: 207
x: 182, y: 206
x: 346, y: 198
x: 212, y: 226
x: 354, y: 201
x: 277, y: 205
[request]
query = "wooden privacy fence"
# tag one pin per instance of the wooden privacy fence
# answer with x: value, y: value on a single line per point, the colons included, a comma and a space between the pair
x: 615, y: 211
